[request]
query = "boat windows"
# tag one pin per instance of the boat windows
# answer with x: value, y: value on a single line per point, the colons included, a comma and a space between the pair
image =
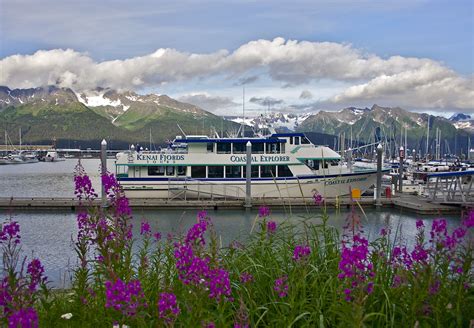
x: 255, y: 171
x: 224, y: 147
x: 215, y: 171
x: 181, y: 170
x: 284, y: 171
x: 273, y: 148
x: 233, y: 171
x: 170, y: 170
x: 291, y: 140
x: 156, y: 170
x: 198, y: 171
x: 210, y: 147
x: 268, y: 171
x: 305, y: 141
x: 297, y: 140
x: 257, y: 148
x: 239, y: 148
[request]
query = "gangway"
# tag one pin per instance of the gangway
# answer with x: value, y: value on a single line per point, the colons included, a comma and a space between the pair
x: 450, y: 187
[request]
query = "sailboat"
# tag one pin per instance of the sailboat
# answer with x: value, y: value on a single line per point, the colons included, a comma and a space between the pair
x: 17, y: 156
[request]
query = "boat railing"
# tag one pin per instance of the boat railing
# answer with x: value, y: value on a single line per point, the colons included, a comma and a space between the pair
x: 182, y: 188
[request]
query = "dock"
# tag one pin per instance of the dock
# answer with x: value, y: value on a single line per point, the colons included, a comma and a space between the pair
x: 410, y: 203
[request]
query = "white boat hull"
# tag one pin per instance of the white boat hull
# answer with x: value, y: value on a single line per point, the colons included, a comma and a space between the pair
x: 328, y: 187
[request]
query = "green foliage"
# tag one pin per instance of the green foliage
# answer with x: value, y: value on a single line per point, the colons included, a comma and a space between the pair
x: 315, y: 296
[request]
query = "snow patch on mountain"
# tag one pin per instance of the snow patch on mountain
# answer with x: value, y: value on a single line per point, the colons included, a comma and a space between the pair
x: 274, y: 120
x: 464, y: 125
x: 100, y: 100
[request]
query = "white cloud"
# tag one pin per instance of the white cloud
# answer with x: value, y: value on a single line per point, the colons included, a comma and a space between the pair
x: 413, y: 82
x: 208, y: 102
x: 306, y: 94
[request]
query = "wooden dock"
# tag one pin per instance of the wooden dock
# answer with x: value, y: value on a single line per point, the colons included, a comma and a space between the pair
x: 409, y: 203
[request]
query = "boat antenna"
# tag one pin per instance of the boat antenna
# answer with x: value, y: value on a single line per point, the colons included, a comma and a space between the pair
x: 184, y: 134
x: 243, y: 111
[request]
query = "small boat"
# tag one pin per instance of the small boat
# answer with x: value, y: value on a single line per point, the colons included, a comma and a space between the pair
x: 53, y: 156
x: 19, y: 158
x: 284, y: 165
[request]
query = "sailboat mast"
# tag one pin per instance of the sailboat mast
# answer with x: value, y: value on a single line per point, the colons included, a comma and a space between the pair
x: 243, y: 111
x: 427, y: 136
x: 20, y: 137
x: 406, y: 140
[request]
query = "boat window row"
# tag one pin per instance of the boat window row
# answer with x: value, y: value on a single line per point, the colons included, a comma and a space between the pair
x: 299, y: 140
x: 241, y: 148
x: 211, y: 171
x: 167, y: 170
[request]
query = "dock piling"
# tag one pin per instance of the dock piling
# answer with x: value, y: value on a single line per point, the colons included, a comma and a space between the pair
x: 103, y: 164
x: 248, y: 177
x: 400, y: 170
x: 378, y: 189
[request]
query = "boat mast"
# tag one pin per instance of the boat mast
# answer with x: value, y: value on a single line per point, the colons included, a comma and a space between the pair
x: 427, y: 137
x: 20, y: 138
x: 243, y: 111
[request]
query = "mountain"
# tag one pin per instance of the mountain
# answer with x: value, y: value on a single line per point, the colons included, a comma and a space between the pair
x: 279, y: 121
x: 463, y: 122
x: 124, y: 117
x: 460, y: 117
x: 385, y: 123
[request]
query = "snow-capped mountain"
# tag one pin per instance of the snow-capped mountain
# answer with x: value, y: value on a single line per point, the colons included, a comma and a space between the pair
x: 463, y: 121
x: 288, y: 121
x: 120, y: 107
x: 460, y: 117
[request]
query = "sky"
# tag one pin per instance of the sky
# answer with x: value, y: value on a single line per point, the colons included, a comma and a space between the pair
x: 295, y: 56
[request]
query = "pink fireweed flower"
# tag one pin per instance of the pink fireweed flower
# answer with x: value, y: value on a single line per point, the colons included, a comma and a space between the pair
x: 301, y: 252
x: 24, y: 318
x: 318, y: 199
x: 356, y: 269
x: 10, y: 232
x: 271, y: 227
x: 126, y: 298
x: 263, y: 211
x: 83, y: 184
x: 168, y: 308
x: 438, y: 231
x: 219, y: 284
x: 246, y: 277
x: 469, y: 221
x: 35, y: 272
x: 157, y: 236
x: 401, y: 257
x: 191, y: 269
x: 281, y: 286
x: 196, y: 233
x: 420, y: 224
x: 419, y: 254
x: 145, y: 228
x: 202, y: 215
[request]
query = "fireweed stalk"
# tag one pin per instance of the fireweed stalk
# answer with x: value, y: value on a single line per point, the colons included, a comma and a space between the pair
x: 19, y: 291
x: 287, y: 276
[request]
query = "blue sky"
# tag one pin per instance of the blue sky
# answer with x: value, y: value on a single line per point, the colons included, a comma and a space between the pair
x: 113, y: 33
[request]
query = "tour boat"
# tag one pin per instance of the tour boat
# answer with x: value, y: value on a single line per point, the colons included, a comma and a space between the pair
x: 285, y: 165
